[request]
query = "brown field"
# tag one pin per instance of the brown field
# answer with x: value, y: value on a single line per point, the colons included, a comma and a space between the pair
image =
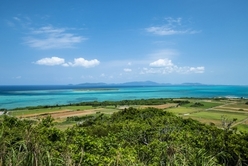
x: 74, y: 113
x: 62, y: 114
x: 231, y: 108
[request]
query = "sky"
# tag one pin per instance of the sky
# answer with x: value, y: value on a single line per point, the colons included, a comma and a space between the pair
x: 59, y: 42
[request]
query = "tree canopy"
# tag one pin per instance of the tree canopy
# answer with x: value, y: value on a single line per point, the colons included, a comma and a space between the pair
x: 132, y: 136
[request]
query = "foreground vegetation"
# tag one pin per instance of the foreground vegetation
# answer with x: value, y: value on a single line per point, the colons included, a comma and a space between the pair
x: 189, y: 131
x: 132, y: 136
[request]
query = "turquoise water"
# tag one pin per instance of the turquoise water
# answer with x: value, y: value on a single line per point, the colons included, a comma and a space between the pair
x: 22, y: 96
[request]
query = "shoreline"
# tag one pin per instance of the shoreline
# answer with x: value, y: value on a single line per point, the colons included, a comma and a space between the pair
x: 11, y: 98
x: 114, y: 102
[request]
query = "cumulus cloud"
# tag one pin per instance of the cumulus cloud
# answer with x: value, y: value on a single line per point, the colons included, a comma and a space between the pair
x: 84, y: 63
x: 49, y: 38
x: 165, y: 66
x: 60, y: 61
x: 127, y: 70
x: 172, y: 27
x: 51, y: 61
x: 161, y: 63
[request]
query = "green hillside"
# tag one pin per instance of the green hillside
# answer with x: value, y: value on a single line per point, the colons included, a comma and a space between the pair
x: 133, y: 136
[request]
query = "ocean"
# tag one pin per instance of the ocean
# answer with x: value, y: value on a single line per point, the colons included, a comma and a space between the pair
x: 22, y: 96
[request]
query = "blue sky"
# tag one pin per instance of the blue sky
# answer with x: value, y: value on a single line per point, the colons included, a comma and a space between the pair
x: 166, y: 41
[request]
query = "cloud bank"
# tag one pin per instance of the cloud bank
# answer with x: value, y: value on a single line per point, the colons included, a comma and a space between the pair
x: 60, y: 61
x: 165, y: 66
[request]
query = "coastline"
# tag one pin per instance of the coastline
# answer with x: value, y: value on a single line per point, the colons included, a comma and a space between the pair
x: 11, y: 98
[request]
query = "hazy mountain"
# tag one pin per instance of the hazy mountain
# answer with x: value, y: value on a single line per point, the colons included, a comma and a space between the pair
x: 140, y: 83
x: 93, y: 84
x: 189, y: 83
x: 135, y: 83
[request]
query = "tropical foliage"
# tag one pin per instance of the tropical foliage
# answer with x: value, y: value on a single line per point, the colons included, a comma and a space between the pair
x: 130, y: 137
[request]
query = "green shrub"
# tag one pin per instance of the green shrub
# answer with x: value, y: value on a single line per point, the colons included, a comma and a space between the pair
x: 197, y: 105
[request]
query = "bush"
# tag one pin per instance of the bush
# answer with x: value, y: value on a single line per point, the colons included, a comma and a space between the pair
x: 79, y: 118
x: 197, y: 105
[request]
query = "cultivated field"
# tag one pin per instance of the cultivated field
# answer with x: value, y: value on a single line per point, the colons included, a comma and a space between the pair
x: 209, y: 111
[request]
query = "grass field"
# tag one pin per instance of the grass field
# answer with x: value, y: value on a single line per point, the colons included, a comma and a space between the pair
x: 238, y: 105
x: 208, y: 111
x: 206, y: 105
x: 217, y: 115
x: 182, y: 110
x: 242, y: 127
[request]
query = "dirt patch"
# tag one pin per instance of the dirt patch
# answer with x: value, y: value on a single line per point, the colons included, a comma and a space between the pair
x: 62, y: 113
x: 232, y: 108
x: 43, y: 114
x: 74, y: 113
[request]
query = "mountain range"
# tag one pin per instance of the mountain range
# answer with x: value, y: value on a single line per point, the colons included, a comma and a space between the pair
x: 135, y: 83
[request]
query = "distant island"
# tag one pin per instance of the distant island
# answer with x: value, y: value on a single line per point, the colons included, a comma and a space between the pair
x: 95, y: 89
x: 135, y: 83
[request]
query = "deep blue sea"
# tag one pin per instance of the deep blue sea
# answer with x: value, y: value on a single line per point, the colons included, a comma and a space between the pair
x: 22, y: 96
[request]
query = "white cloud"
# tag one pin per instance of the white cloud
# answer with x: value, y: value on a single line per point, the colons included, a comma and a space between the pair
x: 165, y: 66
x: 127, y: 70
x: 164, y: 30
x: 197, y: 69
x: 164, y: 70
x: 172, y: 21
x: 173, y: 27
x: 161, y: 63
x: 65, y: 65
x: 49, y: 38
x: 50, y: 61
x: 84, y: 63
x: 60, y: 61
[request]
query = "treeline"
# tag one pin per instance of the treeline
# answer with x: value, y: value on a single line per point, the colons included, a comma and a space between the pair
x: 115, y: 103
x: 134, y: 102
x: 130, y: 137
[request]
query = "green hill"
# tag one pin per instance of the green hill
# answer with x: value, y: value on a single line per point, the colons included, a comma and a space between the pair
x: 130, y: 137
